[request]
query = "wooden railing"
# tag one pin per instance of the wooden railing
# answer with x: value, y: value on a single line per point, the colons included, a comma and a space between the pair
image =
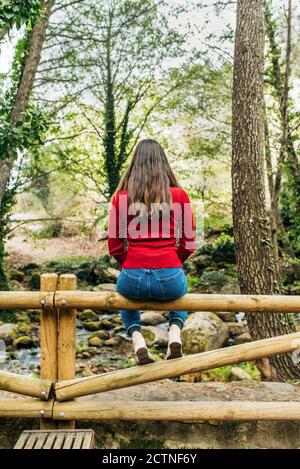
x: 57, y: 387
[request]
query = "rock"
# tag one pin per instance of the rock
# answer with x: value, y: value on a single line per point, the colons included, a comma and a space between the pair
x: 101, y: 334
x: 243, y: 338
x: 95, y: 342
x: 23, y: 328
x: 152, y: 318
x: 106, y: 324
x: 227, y: 316
x: 23, y: 342
x: 155, y: 336
x: 203, y: 331
x: 237, y: 328
x: 92, y: 325
x: 7, y: 330
x: 16, y: 286
x: 113, y: 341
x: 117, y: 320
x: 88, y: 315
x: 102, y: 235
x: 113, y: 272
x: 34, y: 315
x: 119, y: 329
x: 105, y: 287
x: 240, y: 374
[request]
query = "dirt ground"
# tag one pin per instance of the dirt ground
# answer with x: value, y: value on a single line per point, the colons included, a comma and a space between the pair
x: 22, y: 249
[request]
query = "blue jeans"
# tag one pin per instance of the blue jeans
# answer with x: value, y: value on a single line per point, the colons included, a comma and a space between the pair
x: 151, y: 284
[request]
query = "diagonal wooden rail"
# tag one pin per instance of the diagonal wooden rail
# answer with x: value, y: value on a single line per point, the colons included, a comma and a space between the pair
x: 65, y: 390
x: 25, y: 385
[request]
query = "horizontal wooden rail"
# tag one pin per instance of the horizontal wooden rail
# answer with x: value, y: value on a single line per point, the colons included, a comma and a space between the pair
x: 26, y: 300
x: 25, y: 385
x: 25, y: 408
x: 114, y: 301
x: 176, y: 410
x: 190, y: 302
x: 150, y: 410
x: 66, y: 390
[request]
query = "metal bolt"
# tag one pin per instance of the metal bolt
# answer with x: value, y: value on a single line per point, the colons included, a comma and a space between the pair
x: 43, y: 393
x: 62, y: 414
x: 42, y: 412
x: 63, y: 302
x: 43, y: 302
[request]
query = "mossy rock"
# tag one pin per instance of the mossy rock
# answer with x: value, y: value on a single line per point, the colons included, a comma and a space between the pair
x: 106, y: 324
x: 88, y: 315
x: 95, y: 342
x: 23, y: 328
x: 101, y: 334
x: 92, y: 325
x: 23, y: 342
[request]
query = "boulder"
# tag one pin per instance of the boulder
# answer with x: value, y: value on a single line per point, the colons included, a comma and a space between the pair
x: 237, y: 328
x: 7, y: 330
x: 155, y: 336
x: 101, y: 334
x: 152, y: 318
x: 203, y: 331
x: 243, y: 338
x: 227, y: 316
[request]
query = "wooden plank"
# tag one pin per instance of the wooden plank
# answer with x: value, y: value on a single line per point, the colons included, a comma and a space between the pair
x: 179, y: 410
x: 49, y: 440
x: 67, y: 339
x: 21, y: 441
x: 25, y: 385
x: 190, y: 302
x: 78, y: 440
x: 89, y: 440
x: 48, y: 339
x: 31, y: 441
x: 69, y: 441
x: 41, y: 440
x: 66, y: 390
x: 59, y: 440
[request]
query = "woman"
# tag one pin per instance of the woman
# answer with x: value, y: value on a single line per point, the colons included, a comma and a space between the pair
x: 149, y: 211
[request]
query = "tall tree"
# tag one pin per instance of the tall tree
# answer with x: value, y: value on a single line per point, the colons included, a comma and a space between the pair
x: 110, y: 59
x: 16, y: 124
x: 257, y: 272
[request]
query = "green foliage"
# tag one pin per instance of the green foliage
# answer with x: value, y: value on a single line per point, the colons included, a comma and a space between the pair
x: 222, y: 250
x: 18, y: 12
x: 213, y: 279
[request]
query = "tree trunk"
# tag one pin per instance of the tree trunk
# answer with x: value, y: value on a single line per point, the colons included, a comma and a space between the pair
x: 257, y: 272
x: 26, y: 83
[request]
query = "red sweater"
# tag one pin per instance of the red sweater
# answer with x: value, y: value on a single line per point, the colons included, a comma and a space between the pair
x: 151, y: 244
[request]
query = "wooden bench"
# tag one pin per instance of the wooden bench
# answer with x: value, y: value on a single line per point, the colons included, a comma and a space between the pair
x: 56, y: 439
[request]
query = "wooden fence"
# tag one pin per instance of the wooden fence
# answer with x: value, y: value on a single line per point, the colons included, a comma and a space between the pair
x: 57, y: 388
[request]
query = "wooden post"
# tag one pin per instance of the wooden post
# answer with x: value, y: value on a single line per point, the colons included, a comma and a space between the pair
x: 118, y: 379
x: 48, y: 339
x: 67, y: 339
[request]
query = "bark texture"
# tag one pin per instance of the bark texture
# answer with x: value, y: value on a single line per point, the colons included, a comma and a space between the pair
x: 257, y: 272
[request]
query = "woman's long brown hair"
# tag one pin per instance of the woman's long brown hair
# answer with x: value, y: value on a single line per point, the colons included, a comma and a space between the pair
x: 148, y: 176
